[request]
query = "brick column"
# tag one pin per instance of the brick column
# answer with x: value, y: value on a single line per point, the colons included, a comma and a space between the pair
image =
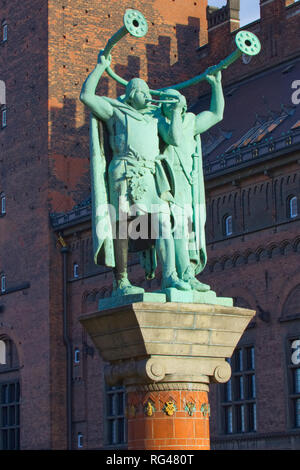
x: 168, y: 420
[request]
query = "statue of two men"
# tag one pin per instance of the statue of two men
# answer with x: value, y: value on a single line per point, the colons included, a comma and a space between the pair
x: 155, y: 172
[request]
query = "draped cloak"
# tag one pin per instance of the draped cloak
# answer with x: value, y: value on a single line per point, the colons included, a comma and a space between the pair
x: 108, y: 170
x: 184, y: 168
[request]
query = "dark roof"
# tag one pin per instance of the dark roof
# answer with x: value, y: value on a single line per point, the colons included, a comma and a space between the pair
x: 257, y: 110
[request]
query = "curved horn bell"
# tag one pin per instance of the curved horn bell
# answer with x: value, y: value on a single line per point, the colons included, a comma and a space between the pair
x: 135, y: 24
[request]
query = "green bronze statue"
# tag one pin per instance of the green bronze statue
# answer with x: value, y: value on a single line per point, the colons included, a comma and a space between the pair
x: 133, y: 183
x: 146, y: 163
x: 184, y: 168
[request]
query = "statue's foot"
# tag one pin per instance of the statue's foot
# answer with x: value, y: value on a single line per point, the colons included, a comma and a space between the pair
x: 189, y: 276
x: 174, y: 281
x: 198, y: 286
x: 124, y: 287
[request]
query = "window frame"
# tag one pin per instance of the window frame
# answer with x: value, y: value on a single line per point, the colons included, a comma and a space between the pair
x: 3, y: 352
x: 228, y: 225
x: 2, y: 204
x: 3, y: 116
x: 15, y: 404
x: 238, y: 397
x: 2, y: 283
x: 117, y: 420
x: 77, y: 356
x: 75, y: 270
x: 292, y: 213
x: 4, y: 31
x: 80, y: 443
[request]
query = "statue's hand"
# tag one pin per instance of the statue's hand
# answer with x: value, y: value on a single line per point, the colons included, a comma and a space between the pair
x: 102, y: 60
x: 179, y: 104
x: 213, y: 76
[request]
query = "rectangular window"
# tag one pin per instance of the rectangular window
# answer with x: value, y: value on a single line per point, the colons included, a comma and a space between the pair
x: 238, y: 405
x: 9, y: 416
x: 116, y: 432
x: 294, y: 381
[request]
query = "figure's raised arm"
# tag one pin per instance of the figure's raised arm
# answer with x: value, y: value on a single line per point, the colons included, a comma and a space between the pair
x: 171, y: 131
x: 207, y: 119
x: 98, y: 105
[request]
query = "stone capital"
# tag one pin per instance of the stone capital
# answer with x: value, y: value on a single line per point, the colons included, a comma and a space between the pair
x: 156, y: 346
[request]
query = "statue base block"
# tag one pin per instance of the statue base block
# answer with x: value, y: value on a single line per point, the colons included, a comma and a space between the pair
x: 167, y: 295
x: 166, y: 354
x: 118, y: 301
x: 195, y: 297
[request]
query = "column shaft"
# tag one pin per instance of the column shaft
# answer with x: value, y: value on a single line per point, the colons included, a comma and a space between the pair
x: 168, y: 420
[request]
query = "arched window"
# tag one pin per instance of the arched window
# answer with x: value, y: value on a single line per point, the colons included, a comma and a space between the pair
x: 77, y: 356
x: 292, y: 207
x: 3, y: 283
x: 228, y: 225
x: 2, y: 352
x: 291, y: 307
x: 75, y: 270
x: 4, y: 31
x: 2, y: 204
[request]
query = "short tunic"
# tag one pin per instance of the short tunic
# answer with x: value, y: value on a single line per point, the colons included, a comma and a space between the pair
x: 180, y: 162
x: 132, y: 186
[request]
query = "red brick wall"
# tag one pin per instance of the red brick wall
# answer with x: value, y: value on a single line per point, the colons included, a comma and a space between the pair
x: 260, y: 266
x: 77, y: 31
x: 166, y: 55
x: 24, y: 230
x: 47, y: 57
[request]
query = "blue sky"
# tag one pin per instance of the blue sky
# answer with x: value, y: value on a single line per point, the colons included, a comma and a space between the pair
x: 249, y: 9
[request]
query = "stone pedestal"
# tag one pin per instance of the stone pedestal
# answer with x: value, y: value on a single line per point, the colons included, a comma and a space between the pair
x: 166, y: 354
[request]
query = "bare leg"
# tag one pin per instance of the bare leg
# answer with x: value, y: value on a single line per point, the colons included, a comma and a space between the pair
x: 121, y: 258
x: 122, y: 286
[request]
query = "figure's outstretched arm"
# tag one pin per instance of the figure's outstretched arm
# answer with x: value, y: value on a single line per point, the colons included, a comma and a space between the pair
x: 207, y: 119
x: 99, y: 106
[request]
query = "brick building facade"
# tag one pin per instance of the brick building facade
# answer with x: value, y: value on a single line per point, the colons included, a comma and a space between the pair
x: 53, y: 377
